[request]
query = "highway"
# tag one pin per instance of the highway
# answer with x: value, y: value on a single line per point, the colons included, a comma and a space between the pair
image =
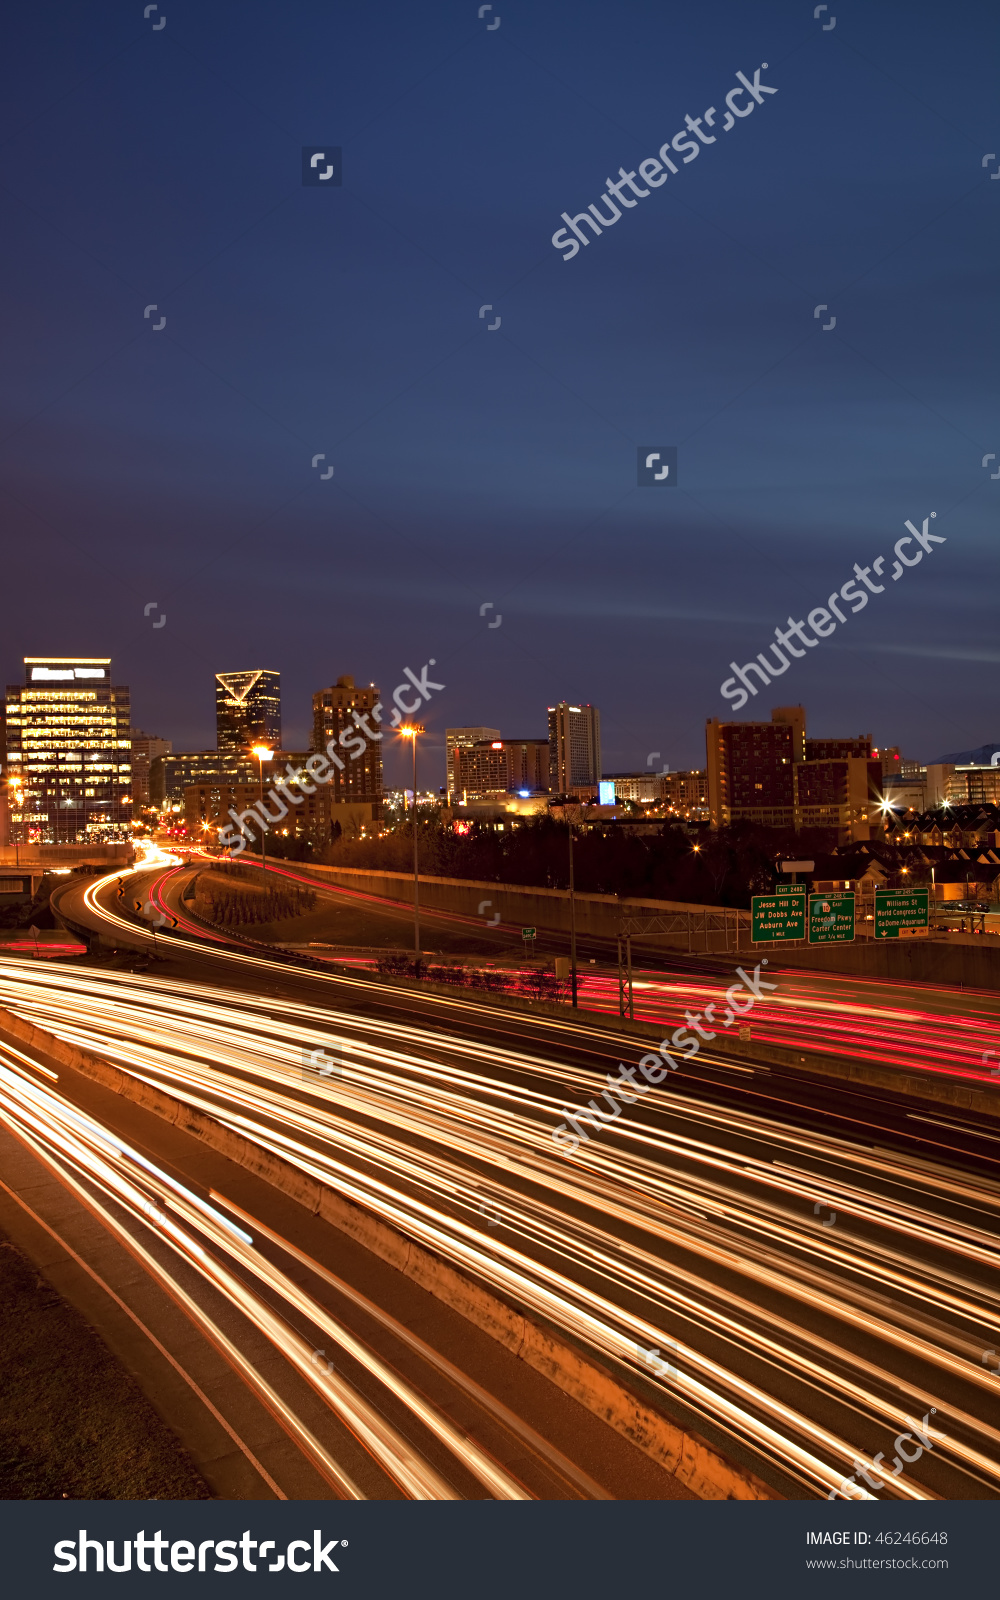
x: 929, y: 1027
x: 805, y: 1274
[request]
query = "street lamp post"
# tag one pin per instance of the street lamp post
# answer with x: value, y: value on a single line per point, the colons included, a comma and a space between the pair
x: 411, y: 730
x: 263, y: 754
x: 572, y: 920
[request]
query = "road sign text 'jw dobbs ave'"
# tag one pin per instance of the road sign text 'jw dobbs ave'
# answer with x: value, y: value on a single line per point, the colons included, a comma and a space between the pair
x: 781, y: 915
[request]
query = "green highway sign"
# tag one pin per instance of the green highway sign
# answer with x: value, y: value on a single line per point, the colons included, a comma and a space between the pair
x: 831, y: 918
x: 899, y: 908
x: 527, y: 933
x: 781, y: 915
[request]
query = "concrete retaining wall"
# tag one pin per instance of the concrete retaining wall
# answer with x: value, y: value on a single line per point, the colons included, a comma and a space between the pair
x: 523, y: 905
x: 950, y: 958
x: 691, y: 1459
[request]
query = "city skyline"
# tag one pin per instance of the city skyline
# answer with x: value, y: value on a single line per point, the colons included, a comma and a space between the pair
x: 290, y: 716
x: 165, y: 472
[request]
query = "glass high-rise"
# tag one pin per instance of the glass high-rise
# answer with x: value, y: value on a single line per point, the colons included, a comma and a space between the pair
x: 68, y: 756
x: 247, y: 710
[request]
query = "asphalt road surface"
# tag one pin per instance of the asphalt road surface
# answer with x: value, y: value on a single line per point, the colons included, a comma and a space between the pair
x: 805, y: 1272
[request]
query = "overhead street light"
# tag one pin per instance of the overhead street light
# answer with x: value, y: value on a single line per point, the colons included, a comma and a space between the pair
x: 263, y: 753
x: 412, y: 730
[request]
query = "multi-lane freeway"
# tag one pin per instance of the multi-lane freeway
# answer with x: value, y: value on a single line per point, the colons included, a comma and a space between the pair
x: 805, y: 1274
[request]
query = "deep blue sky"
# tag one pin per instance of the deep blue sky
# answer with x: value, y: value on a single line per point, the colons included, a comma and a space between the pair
x: 141, y: 166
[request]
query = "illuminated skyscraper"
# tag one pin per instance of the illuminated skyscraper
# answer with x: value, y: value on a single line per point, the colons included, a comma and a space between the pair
x: 574, y: 746
x: 339, y: 713
x: 247, y: 710
x: 457, y: 739
x: 68, y: 763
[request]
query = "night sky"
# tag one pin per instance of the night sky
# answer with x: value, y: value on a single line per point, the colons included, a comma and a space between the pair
x: 145, y: 166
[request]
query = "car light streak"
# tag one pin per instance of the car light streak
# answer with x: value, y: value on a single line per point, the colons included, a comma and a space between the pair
x: 53, y: 1127
x: 422, y: 1122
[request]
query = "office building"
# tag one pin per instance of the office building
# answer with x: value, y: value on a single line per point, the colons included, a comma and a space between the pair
x: 145, y: 748
x: 456, y: 739
x: 175, y: 770
x: 247, y: 710
x: 770, y: 774
x: 643, y: 787
x: 344, y: 713
x: 967, y: 785
x: 502, y: 766
x: 68, y: 764
x: 574, y: 747
x: 210, y: 806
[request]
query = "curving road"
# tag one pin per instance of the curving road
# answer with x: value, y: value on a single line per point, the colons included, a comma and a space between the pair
x: 807, y: 1275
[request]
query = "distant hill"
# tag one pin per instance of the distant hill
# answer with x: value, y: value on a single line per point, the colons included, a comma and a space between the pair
x: 962, y: 758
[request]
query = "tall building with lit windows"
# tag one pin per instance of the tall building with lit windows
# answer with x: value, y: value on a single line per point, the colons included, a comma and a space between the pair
x: 343, y: 713
x: 771, y: 774
x: 68, y: 752
x: 574, y: 746
x: 455, y: 741
x: 247, y: 710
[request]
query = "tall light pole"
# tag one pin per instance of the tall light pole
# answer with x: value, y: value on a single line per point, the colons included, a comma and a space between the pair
x: 410, y: 730
x: 572, y: 919
x: 263, y: 754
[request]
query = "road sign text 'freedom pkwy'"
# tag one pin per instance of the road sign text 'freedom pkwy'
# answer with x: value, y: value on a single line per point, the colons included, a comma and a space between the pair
x: 831, y: 918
